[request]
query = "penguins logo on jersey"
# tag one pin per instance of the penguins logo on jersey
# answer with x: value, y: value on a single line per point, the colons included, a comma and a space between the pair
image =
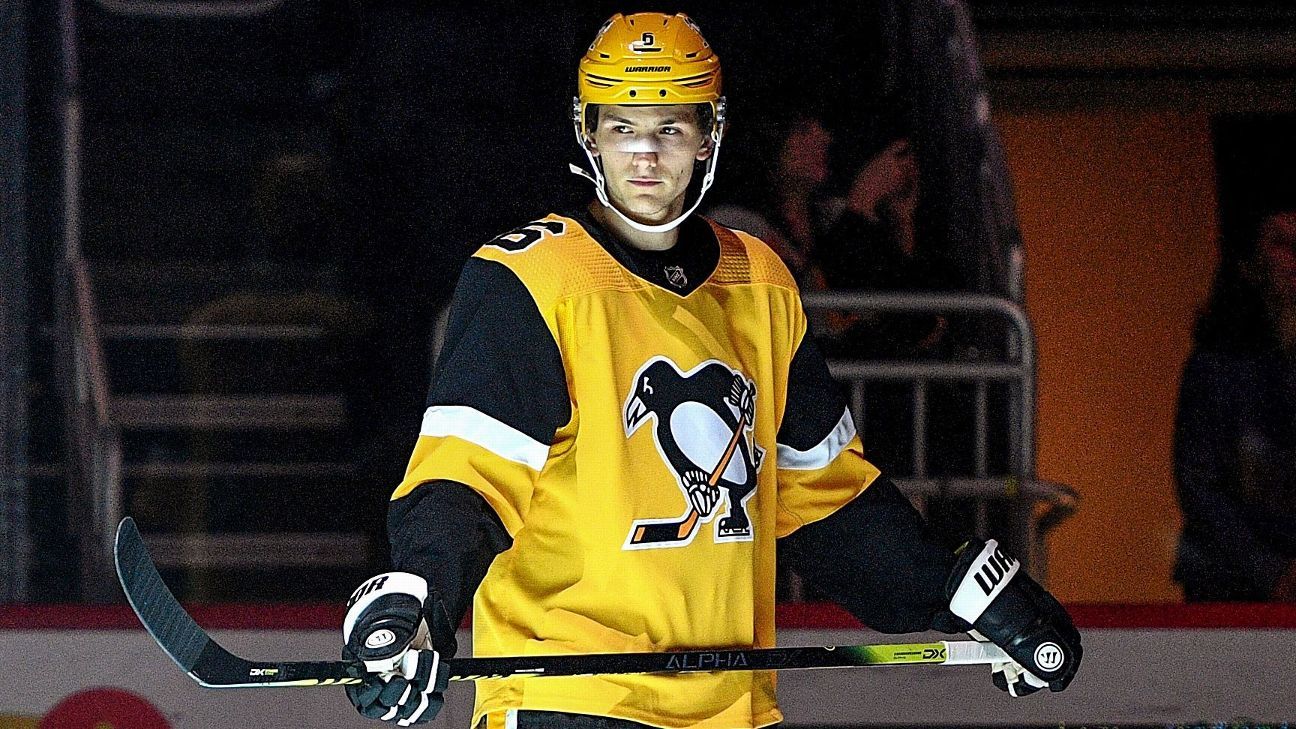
x: 703, y: 430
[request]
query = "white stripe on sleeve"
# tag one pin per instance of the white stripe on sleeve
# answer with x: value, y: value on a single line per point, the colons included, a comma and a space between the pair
x: 822, y: 454
x: 481, y: 429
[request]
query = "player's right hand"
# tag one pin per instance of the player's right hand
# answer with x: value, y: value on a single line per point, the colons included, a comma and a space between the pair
x: 386, y: 630
x: 411, y: 696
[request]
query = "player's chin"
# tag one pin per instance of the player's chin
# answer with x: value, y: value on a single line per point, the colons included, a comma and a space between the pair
x: 656, y: 217
x: 646, y: 210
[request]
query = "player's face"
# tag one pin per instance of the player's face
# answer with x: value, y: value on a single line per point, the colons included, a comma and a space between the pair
x: 648, y: 154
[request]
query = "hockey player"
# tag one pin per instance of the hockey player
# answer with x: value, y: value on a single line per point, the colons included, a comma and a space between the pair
x: 627, y: 415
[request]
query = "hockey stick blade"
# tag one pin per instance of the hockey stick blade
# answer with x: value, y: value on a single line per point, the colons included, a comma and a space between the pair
x: 189, y: 645
x: 214, y: 667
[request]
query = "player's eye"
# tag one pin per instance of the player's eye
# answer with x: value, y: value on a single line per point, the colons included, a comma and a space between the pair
x: 671, y: 131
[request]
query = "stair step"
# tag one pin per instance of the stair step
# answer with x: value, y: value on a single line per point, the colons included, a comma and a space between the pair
x: 252, y: 551
x: 157, y: 366
x: 167, y: 291
x: 199, y: 470
x: 180, y: 445
x: 211, y: 332
x: 205, y: 276
x: 230, y: 412
x: 43, y: 471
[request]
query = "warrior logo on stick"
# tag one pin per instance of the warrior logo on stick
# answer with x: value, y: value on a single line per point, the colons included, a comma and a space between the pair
x: 703, y: 430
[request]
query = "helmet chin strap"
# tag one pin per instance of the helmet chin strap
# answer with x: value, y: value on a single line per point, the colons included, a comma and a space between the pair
x: 600, y: 185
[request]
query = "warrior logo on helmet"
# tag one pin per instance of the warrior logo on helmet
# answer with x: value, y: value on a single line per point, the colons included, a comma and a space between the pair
x: 703, y: 431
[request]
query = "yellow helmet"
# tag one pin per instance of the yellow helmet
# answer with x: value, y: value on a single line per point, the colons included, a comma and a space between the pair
x: 649, y: 58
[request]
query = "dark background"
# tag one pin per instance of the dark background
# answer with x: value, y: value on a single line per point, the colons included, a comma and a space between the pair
x: 362, y: 152
x: 369, y: 148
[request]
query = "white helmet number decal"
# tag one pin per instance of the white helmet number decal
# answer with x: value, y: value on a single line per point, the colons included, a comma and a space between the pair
x: 647, y: 42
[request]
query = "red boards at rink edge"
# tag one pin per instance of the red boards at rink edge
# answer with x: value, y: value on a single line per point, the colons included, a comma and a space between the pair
x: 104, y: 708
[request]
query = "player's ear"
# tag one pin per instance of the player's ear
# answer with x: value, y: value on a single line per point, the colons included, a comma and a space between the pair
x: 590, y: 144
x: 704, y: 152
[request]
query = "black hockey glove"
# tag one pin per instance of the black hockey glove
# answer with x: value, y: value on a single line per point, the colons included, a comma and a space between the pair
x: 386, y: 628
x: 1006, y: 607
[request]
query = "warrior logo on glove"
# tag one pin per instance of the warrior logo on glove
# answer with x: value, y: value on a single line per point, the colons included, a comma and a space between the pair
x: 1049, y: 656
x: 703, y: 431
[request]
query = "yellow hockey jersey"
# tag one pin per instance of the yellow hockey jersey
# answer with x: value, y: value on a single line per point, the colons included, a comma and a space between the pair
x: 645, y: 426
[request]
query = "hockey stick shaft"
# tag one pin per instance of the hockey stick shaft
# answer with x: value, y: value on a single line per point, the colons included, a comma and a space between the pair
x: 737, y: 659
x: 176, y: 632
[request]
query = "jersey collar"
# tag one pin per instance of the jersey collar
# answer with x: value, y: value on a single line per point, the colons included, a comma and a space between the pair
x: 680, y: 270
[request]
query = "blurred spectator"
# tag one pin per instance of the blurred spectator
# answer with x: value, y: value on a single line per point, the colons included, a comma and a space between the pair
x: 873, y: 244
x: 783, y: 165
x: 283, y: 287
x: 866, y: 239
x: 863, y: 240
x: 1235, y: 434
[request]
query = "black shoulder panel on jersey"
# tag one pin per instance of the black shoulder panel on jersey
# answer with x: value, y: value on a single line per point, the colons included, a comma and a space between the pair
x: 499, y: 357
x: 875, y: 557
x: 447, y: 534
x: 814, y: 399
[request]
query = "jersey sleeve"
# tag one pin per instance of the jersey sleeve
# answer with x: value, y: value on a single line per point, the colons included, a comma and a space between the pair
x: 498, y: 395
x: 892, y: 579
x: 844, y: 528
x: 821, y: 464
x: 447, y: 534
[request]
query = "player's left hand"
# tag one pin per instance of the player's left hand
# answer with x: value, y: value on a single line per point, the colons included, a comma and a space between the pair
x: 1008, y: 608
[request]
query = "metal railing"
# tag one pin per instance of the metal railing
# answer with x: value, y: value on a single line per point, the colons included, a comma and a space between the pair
x: 94, y: 454
x: 96, y: 418
x: 1029, y: 507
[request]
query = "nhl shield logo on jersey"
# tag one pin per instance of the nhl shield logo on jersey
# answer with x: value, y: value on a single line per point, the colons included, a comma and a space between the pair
x: 675, y: 274
x: 703, y: 422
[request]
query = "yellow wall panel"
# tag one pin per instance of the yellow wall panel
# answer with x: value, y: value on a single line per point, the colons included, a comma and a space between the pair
x: 1118, y: 213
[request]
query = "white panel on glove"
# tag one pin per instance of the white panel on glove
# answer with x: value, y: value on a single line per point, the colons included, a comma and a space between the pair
x: 384, y: 584
x: 990, y: 572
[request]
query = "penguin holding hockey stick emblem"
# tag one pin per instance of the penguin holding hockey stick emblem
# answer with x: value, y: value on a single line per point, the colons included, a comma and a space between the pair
x: 703, y: 422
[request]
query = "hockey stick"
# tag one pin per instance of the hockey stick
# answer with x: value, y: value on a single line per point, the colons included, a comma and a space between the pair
x: 214, y: 667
